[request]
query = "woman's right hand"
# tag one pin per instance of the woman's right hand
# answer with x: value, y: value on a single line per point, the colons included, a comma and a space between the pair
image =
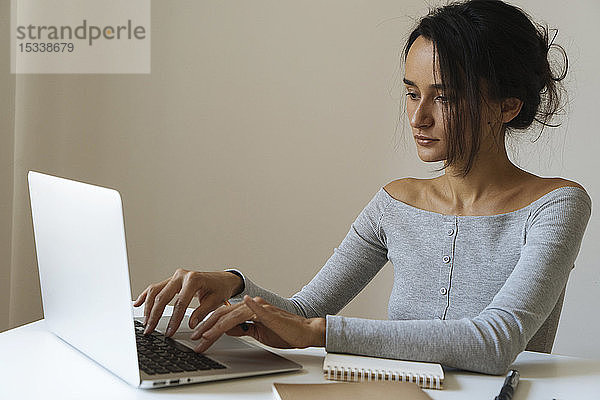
x: 211, y: 288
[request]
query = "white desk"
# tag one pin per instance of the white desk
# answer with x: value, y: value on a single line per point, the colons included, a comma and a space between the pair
x: 35, y: 364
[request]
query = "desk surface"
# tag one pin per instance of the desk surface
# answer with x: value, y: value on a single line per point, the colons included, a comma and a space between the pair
x: 35, y: 364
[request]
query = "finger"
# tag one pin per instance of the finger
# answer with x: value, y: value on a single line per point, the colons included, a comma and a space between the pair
x: 213, y: 319
x: 183, y: 301
x: 221, y: 327
x: 138, y: 302
x: 160, y: 302
x: 210, y: 330
x: 153, y: 290
x: 227, y: 322
x: 207, y: 305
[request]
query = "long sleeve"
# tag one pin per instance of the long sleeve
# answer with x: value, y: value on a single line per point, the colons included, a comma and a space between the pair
x: 490, y: 341
x: 354, y: 263
x: 500, y: 278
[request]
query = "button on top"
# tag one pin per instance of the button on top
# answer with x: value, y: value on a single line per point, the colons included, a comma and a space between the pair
x: 443, y: 291
x: 446, y: 259
x: 450, y: 232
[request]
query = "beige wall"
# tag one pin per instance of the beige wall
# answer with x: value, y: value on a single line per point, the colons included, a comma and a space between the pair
x: 7, y: 95
x: 573, y: 153
x: 262, y: 131
x: 255, y: 142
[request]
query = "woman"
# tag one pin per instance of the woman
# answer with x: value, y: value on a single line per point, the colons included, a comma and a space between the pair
x: 481, y: 254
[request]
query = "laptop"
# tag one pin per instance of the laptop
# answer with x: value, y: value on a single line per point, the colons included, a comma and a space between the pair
x: 86, y: 295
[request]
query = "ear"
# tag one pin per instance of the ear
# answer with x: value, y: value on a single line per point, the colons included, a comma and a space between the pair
x: 510, y: 108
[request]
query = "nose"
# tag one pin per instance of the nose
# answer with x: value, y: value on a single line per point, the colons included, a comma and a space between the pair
x: 421, y: 117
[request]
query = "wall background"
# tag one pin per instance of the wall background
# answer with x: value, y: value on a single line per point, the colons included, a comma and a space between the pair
x: 7, y: 135
x: 262, y: 132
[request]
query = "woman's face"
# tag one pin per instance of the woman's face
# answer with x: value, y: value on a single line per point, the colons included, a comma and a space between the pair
x: 425, y: 101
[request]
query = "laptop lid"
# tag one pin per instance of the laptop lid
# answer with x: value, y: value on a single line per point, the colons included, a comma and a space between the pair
x: 84, y: 275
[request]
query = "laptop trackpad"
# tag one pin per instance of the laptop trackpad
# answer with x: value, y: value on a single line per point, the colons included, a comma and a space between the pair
x: 223, y: 343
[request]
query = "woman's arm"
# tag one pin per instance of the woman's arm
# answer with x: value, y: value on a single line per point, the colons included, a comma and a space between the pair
x: 491, y: 341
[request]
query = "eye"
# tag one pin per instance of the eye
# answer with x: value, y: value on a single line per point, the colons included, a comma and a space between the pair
x: 442, y: 99
x: 412, y: 96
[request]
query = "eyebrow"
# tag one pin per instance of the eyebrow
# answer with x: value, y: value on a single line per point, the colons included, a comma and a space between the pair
x: 437, y: 86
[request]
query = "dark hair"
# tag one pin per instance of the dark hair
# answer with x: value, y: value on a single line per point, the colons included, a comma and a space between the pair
x: 491, y: 43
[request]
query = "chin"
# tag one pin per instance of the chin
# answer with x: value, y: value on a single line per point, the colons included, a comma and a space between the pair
x: 430, y: 157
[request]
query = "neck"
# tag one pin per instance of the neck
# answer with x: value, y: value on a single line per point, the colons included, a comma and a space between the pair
x: 491, y: 173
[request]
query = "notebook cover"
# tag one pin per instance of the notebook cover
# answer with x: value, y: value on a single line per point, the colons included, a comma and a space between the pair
x: 349, y: 391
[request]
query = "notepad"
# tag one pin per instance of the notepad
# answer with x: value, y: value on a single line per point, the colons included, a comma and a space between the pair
x: 344, y: 367
x: 348, y: 391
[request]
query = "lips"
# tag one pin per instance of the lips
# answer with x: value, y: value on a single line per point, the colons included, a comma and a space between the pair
x: 421, y: 137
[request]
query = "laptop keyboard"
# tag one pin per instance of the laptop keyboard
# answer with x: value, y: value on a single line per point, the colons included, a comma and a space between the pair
x: 158, y: 354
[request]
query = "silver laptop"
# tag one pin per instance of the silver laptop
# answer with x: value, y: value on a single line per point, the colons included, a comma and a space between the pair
x: 86, y: 294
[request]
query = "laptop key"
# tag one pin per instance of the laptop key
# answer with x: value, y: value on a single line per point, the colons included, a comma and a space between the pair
x: 158, y: 354
x: 189, y: 367
x: 163, y: 371
x: 201, y: 367
x: 148, y: 371
x: 178, y: 345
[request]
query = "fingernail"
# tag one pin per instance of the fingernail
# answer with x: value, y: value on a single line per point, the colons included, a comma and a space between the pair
x: 169, y: 331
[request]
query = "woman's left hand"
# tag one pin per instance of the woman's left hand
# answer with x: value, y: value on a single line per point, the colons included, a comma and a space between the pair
x: 270, y: 325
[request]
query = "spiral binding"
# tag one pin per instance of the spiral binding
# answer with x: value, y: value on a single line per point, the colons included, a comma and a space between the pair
x: 359, y: 375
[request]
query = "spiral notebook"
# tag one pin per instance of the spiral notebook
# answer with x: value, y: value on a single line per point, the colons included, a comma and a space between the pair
x: 344, y: 367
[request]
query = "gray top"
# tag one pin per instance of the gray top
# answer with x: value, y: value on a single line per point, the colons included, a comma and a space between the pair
x: 469, y: 292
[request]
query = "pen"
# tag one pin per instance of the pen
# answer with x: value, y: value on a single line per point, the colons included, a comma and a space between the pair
x: 244, y: 325
x: 509, y: 386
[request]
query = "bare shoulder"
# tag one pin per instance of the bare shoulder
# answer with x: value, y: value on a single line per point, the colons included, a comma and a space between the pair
x: 550, y: 184
x: 407, y: 190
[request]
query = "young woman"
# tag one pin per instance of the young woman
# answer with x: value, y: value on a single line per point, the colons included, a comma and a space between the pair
x: 481, y: 254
